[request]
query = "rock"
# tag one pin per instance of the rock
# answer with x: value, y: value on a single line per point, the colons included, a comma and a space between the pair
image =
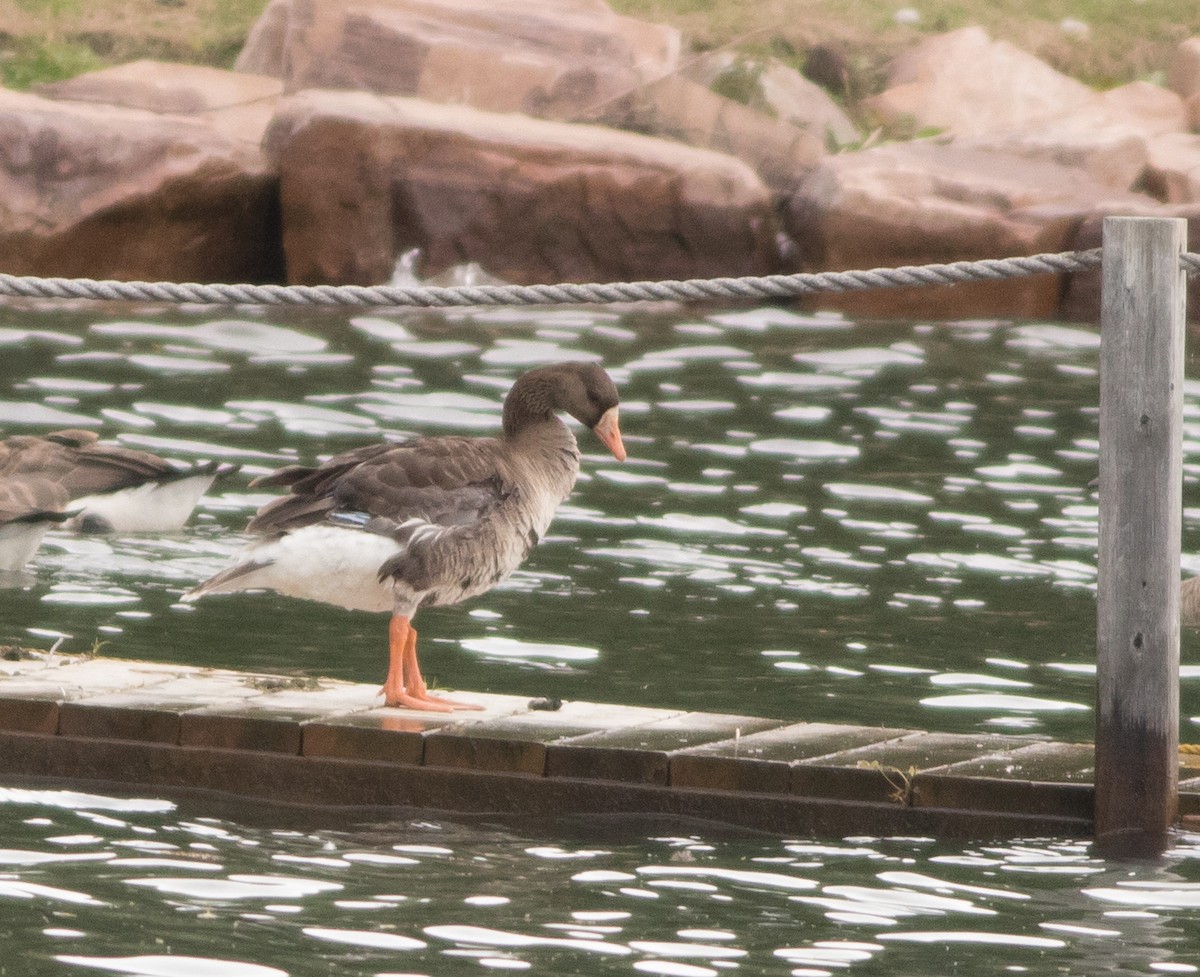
x: 235, y: 103
x: 965, y: 83
x: 165, y: 87
x: 366, y: 178
x: 1111, y: 154
x: 795, y: 99
x: 97, y: 191
x: 1173, y: 168
x: 1193, y: 112
x: 549, y: 58
x: 657, y: 48
x: 972, y: 87
x: 999, y: 98
x: 1183, y: 74
x: 1149, y: 108
x: 684, y: 110
x: 781, y: 92
x: 938, y: 201
x: 1081, y: 297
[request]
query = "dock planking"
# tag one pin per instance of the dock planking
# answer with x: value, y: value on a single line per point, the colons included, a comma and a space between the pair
x: 329, y: 742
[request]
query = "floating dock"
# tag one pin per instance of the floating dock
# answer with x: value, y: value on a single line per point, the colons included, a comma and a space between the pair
x: 330, y: 743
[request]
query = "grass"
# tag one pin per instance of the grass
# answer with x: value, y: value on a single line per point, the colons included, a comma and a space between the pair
x: 27, y: 61
x: 44, y: 40
x: 1126, y: 40
x: 47, y: 40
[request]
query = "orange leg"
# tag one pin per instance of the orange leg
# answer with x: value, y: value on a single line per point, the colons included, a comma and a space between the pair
x: 404, y: 686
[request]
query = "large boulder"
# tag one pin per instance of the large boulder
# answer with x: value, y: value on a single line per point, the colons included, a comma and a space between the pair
x: 678, y: 108
x: 1081, y: 297
x: 1173, y: 169
x: 1183, y: 78
x: 795, y: 99
x: 237, y: 104
x: 935, y: 201
x: 1183, y: 74
x: 550, y: 58
x: 93, y: 190
x: 777, y: 90
x: 366, y: 178
x: 1108, y: 153
x: 1026, y: 156
x: 965, y: 83
x: 1148, y: 108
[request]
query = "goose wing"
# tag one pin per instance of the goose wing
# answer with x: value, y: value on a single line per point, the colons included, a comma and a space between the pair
x: 74, y: 460
x: 31, y: 500
x: 444, y: 481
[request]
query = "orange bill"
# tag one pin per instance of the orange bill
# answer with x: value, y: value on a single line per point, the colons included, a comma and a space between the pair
x: 608, y: 431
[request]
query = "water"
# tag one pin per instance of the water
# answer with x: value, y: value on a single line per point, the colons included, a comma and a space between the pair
x: 92, y: 884
x: 819, y: 520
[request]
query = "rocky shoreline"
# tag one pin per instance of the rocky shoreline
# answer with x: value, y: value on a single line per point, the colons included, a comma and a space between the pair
x: 564, y: 142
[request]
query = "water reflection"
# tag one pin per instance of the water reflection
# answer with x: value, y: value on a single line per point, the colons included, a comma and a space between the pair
x: 145, y: 887
x: 816, y: 513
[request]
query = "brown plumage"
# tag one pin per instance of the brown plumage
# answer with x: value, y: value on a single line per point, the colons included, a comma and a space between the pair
x: 426, y: 522
x: 74, y: 460
x: 27, y: 509
x: 30, y: 499
x: 1189, y: 602
x: 69, y: 477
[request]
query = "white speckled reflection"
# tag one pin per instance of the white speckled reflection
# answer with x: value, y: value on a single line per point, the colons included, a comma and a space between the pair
x: 819, y: 519
x: 142, y: 886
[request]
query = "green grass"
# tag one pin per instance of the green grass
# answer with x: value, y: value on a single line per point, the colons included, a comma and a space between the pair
x: 28, y: 61
x: 44, y: 40
x: 1128, y: 39
x: 48, y: 40
x: 49, y: 8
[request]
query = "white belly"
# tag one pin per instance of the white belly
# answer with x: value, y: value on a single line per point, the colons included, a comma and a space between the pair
x: 322, y: 563
x: 150, y: 508
x: 18, y: 542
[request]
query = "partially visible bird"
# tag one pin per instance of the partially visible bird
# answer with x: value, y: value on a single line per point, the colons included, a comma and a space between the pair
x: 1189, y: 589
x: 70, y: 478
x: 27, y: 509
x: 426, y: 522
x: 1189, y: 602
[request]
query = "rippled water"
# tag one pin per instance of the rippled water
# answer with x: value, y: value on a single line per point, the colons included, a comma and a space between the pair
x: 819, y: 519
x: 90, y: 883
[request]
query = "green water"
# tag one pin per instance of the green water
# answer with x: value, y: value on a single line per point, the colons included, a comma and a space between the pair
x: 819, y: 519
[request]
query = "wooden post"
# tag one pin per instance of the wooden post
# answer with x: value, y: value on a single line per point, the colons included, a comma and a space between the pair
x: 1141, y: 476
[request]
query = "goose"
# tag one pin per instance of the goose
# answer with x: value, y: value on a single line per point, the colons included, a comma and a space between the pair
x: 1189, y: 602
x: 1189, y: 590
x: 426, y: 522
x: 27, y: 509
x: 106, y: 488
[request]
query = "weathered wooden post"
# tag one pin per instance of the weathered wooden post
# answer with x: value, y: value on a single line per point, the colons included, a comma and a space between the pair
x: 1137, y: 638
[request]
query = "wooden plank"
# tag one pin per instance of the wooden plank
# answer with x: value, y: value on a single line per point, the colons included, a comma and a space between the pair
x: 886, y: 770
x: 641, y: 753
x: 316, y: 781
x: 319, y: 741
x: 1137, y: 639
x: 151, y: 712
x: 763, y: 762
x: 32, y: 690
x: 398, y: 735
x: 518, y: 743
x: 1042, y: 778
